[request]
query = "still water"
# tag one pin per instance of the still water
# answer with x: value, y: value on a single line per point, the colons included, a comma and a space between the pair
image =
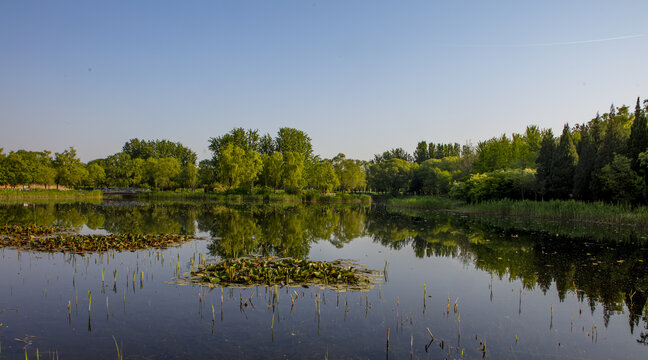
x: 483, y: 287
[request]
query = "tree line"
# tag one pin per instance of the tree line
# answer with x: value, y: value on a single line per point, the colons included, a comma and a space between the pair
x: 604, y: 159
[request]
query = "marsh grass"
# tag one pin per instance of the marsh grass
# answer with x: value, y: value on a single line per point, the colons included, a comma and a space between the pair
x: 571, y: 210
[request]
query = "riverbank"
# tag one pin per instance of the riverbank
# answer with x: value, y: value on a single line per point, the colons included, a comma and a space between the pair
x: 49, y: 194
x: 566, y: 210
x: 273, y: 197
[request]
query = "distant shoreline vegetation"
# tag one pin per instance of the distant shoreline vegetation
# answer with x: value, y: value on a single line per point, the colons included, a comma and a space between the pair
x: 571, y: 210
x: 602, y: 160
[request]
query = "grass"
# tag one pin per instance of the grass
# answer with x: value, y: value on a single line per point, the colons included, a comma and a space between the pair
x: 46, y: 194
x: 571, y: 210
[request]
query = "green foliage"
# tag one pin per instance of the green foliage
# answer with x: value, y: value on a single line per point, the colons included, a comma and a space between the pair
x: 584, y: 168
x: 421, y: 153
x: 507, y: 183
x: 189, y: 176
x: 320, y: 175
x: 392, y: 175
x: 69, y: 169
x: 238, y: 167
x: 141, y: 149
x: 292, y: 176
x: 619, y: 182
x: 350, y: 173
x: 563, y: 166
x: 293, y: 140
x: 272, y: 169
x: 638, y: 141
x: 398, y: 153
x: 434, y: 176
x: 96, y: 174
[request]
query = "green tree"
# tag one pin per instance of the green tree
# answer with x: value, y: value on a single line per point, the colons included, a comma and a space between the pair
x: 421, y: 153
x: 320, y: 175
x: 141, y: 149
x: 160, y: 172
x: 206, y: 173
x: 69, y: 169
x: 619, y: 182
x: 398, y: 153
x: 586, y: 161
x: 393, y: 175
x: 293, y: 171
x: 96, y: 174
x: 267, y: 145
x: 545, y: 163
x: 349, y: 172
x: 189, y: 176
x: 272, y: 169
x: 564, y: 166
x: 3, y: 168
x: 238, y: 167
x: 638, y: 141
x: 293, y: 140
x: 239, y: 137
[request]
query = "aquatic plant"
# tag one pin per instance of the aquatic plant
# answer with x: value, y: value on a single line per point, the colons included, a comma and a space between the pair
x: 51, y: 239
x: 250, y: 271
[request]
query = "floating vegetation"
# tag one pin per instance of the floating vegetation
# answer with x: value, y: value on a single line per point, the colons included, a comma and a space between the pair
x: 29, y: 230
x: 253, y: 271
x: 53, y: 239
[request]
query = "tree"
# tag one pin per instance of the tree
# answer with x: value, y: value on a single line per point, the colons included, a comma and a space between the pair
x: 293, y: 140
x: 206, y: 173
x: 619, y: 182
x: 349, y: 172
x: 272, y: 169
x: 320, y: 175
x: 293, y: 171
x: 545, y: 163
x: 3, y: 168
x: 583, y: 172
x: 421, y: 153
x: 17, y: 170
x: 393, y: 175
x: 141, y: 149
x: 638, y: 141
x: 246, y: 140
x: 398, y: 153
x: 96, y: 174
x: 69, y: 169
x: 238, y: 167
x: 160, y: 172
x: 267, y: 145
x: 189, y: 176
x: 563, y: 166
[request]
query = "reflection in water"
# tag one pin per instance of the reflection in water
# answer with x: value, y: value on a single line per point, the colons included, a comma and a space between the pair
x: 610, y: 274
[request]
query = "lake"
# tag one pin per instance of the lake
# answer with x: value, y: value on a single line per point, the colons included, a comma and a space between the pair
x: 451, y: 286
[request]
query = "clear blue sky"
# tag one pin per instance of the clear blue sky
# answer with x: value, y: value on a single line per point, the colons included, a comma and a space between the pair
x: 359, y: 77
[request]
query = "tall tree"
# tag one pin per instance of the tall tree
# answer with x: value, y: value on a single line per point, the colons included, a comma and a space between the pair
x: 638, y: 141
x: 563, y: 166
x: 272, y: 169
x: 586, y: 160
x: 293, y: 170
x: 421, y: 153
x: 293, y: 140
x: 69, y: 169
x: 545, y: 163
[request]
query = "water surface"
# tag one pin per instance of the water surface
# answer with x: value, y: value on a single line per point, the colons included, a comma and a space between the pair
x: 523, y: 292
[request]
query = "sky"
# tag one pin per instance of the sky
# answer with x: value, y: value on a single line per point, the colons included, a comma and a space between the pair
x: 359, y: 77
